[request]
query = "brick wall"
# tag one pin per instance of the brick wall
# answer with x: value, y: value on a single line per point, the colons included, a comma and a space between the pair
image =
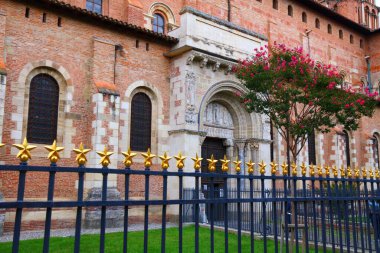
x: 77, y: 48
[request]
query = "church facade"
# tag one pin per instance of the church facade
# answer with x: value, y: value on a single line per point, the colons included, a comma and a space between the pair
x: 145, y: 74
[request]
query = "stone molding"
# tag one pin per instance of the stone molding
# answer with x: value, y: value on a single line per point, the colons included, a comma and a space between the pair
x: 204, y: 60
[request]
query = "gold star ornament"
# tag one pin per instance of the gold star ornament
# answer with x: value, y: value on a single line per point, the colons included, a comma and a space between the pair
x: 273, y: 167
x: 54, y: 152
x: 165, y: 161
x: 303, y: 169
x: 24, y: 154
x: 180, y: 160
x: 284, y: 167
x: 364, y: 172
x: 250, y: 166
x: 371, y: 173
x: 212, y: 164
x: 225, y: 163
x: 320, y: 171
x: 342, y: 172
x: 312, y: 170
x: 237, y: 165
x: 349, y: 172
x: 105, y: 157
x: 335, y: 171
x: 197, y: 162
x: 128, y: 158
x: 294, y: 169
x: 262, y: 167
x: 81, y: 152
x: 327, y: 170
x: 148, y: 158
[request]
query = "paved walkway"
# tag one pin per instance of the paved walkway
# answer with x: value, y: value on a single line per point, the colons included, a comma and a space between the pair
x: 7, y: 237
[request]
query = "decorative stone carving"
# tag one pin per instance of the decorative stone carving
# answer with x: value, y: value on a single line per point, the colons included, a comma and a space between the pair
x: 254, y: 145
x: 228, y: 70
x: 190, y: 112
x: 190, y: 59
x: 218, y: 115
x: 216, y: 66
x: 190, y: 115
x: 190, y: 88
x: 203, y: 63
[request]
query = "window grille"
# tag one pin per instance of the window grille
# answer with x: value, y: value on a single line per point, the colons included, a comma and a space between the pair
x: 141, y: 122
x: 43, y: 109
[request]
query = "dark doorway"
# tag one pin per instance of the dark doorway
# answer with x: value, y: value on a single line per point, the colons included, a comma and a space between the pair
x: 213, y: 146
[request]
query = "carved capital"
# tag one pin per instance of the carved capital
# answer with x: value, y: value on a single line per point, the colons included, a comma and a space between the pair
x: 240, y: 146
x: 254, y: 145
x: 228, y: 143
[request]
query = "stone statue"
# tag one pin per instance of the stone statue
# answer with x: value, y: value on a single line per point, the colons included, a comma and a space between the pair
x: 190, y: 111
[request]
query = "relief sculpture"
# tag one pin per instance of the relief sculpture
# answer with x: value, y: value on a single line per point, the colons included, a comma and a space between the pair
x: 190, y: 112
x: 218, y: 115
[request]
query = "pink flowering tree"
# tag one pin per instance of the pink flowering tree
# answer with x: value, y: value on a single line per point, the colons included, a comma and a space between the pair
x: 299, y: 95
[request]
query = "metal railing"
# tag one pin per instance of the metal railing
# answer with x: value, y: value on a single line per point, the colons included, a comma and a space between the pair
x: 308, y: 212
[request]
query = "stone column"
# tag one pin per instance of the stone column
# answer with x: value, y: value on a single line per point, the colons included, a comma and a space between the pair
x: 229, y: 144
x: 189, y: 143
x: 241, y: 145
x: 105, y: 134
x: 253, y: 151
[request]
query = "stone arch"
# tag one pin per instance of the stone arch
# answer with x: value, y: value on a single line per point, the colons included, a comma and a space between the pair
x: 158, y: 132
x: 66, y: 91
x: 224, y: 93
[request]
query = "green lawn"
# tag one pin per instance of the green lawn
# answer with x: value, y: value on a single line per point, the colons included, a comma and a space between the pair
x: 114, y: 242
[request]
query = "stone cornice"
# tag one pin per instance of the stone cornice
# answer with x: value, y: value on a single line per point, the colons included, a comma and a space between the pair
x: 219, y: 21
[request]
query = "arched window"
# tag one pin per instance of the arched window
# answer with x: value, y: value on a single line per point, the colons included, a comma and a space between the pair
x: 311, y: 148
x: 366, y: 15
x: 290, y: 10
x: 340, y: 34
x: 317, y: 23
x: 351, y: 39
x: 346, y: 139
x: 374, y: 16
x: 141, y: 122
x: 94, y: 6
x: 275, y: 4
x: 304, y: 17
x: 43, y: 109
x: 158, y: 23
x: 329, y: 29
x: 375, y: 151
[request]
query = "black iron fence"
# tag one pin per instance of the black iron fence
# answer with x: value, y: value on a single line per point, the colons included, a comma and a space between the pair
x: 305, y: 212
x: 325, y: 218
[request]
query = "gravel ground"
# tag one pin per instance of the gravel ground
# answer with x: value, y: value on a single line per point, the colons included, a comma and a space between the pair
x: 7, y: 237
